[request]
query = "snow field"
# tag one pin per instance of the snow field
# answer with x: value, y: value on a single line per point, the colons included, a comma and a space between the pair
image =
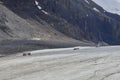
x: 87, y: 63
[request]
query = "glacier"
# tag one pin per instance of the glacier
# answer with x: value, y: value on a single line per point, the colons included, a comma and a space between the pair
x: 86, y: 63
x: 112, y: 6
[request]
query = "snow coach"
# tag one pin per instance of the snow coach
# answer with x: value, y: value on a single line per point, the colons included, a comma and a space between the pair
x: 24, y: 54
x: 29, y: 54
x: 76, y: 49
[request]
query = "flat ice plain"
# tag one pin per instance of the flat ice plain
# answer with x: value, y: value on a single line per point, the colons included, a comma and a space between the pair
x: 87, y: 63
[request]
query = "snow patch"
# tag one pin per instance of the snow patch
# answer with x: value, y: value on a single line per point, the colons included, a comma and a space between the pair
x: 36, y: 2
x: 87, y: 1
x: 40, y: 8
x: 87, y: 15
x: 36, y: 38
x: 112, y: 6
x: 44, y: 12
x: 95, y: 9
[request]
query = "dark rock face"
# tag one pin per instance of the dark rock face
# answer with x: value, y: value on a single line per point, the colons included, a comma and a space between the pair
x: 74, y: 18
x: 94, y: 25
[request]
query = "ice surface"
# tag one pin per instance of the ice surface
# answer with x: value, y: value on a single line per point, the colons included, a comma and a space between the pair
x: 86, y: 63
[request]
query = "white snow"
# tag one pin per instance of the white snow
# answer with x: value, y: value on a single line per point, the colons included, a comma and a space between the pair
x: 87, y: 63
x: 44, y: 12
x: 87, y: 15
x: 87, y: 1
x: 36, y: 39
x: 36, y: 2
x: 112, y: 6
x: 95, y: 9
x: 40, y: 8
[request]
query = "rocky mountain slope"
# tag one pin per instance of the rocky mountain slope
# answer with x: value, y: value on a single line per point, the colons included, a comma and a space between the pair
x: 15, y: 27
x: 58, y: 19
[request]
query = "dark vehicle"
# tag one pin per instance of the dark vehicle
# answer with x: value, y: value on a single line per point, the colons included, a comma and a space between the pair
x: 29, y: 54
x: 76, y: 49
x: 24, y: 54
